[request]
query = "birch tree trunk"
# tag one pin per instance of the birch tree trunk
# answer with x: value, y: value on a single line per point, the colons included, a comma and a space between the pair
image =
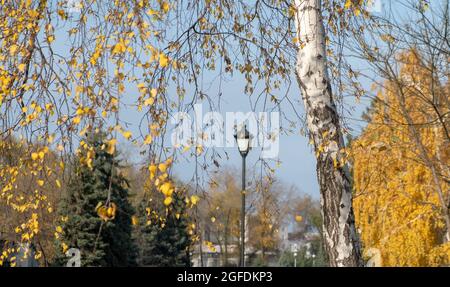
x: 340, y: 237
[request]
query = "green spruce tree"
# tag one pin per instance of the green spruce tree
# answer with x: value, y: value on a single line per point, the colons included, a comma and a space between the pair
x: 101, y: 242
x: 164, y: 242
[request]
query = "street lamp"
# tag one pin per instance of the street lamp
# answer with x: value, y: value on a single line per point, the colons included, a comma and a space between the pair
x: 243, y: 141
x: 294, y: 249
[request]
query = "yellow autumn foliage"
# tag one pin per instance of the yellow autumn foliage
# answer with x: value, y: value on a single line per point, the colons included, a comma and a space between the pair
x: 397, y: 203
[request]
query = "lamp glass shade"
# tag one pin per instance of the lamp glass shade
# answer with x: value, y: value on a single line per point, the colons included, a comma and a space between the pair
x: 243, y: 144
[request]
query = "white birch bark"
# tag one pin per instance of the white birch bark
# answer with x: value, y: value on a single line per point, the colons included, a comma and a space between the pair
x: 341, y: 239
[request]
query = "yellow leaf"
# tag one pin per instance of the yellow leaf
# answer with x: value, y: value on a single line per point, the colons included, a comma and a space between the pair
x: 185, y: 149
x: 151, y: 12
x: 153, y: 92
x: 168, y: 201
x: 149, y: 101
x: 194, y: 199
x: 127, y: 134
x: 22, y: 67
x: 148, y: 139
x: 348, y: 4
x: 152, y: 168
x: 40, y: 182
x: 80, y: 111
x: 167, y: 189
x: 163, y: 60
x: 162, y: 167
x: 111, y: 146
x: 50, y: 138
x: 102, y: 213
x: 119, y: 48
x: 106, y: 212
x: 134, y: 220
x: 13, y: 49
x: 34, y: 156
x: 141, y: 86
x: 111, y: 211
x: 64, y: 247
x: 165, y: 7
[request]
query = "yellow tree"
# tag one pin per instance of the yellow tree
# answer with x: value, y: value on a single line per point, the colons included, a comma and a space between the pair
x: 400, y: 169
x: 27, y: 215
x: 271, y: 207
x: 221, y: 214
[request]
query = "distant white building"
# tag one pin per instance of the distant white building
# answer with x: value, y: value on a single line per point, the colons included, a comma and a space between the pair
x: 213, y: 255
x: 291, y: 234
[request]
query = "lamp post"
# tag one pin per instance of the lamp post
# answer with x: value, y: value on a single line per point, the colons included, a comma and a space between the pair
x: 294, y: 249
x: 243, y: 141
